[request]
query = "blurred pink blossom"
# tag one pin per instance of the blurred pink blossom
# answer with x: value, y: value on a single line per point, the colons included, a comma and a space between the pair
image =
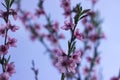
x: 10, y: 68
x: 4, y: 49
x: 68, y: 25
x: 12, y: 42
x: 4, y: 76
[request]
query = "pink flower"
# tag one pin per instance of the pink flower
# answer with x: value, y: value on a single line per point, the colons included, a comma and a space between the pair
x: 90, y: 27
x: 86, y: 70
x: 89, y: 59
x: 76, y: 56
x: 3, y: 14
x: 10, y: 68
x: 66, y: 5
x: 94, y: 37
x: 3, y: 49
x: 84, y: 21
x: 67, y: 13
x: 13, y: 13
x: 61, y: 36
x: 57, y: 52
x: 37, y: 26
x: 13, y: 28
x: 39, y: 12
x: 66, y: 64
x: 115, y: 78
x: 4, y: 76
x: 94, y: 77
x: 68, y: 25
x: 52, y: 38
x: 33, y: 37
x: 98, y: 60
x: 12, y: 42
x: 103, y: 35
x: 2, y: 31
x: 94, y: 1
x: 25, y: 17
x: 56, y: 26
x: 78, y: 35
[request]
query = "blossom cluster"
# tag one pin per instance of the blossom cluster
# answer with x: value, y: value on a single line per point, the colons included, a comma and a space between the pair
x: 42, y: 32
x: 64, y: 63
x: 9, y: 71
x: 52, y: 29
x: 66, y: 5
x: 8, y: 42
x: 92, y: 36
x: 69, y: 61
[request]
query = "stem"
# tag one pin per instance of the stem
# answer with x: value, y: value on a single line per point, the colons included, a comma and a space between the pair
x: 45, y: 45
x: 62, y: 76
x: 36, y: 78
x: 3, y: 67
x: 93, y: 61
x: 5, y: 41
x: 71, y: 40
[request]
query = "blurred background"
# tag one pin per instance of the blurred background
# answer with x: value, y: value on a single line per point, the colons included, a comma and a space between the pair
x: 27, y: 50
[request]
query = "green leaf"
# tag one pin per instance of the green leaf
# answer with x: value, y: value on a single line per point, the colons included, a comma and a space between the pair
x: 4, y: 5
x: 85, y: 11
x: 8, y: 59
x: 76, y: 18
x: 80, y: 13
x: 40, y: 4
x: 80, y: 9
x: 73, y: 44
x: 7, y: 3
x: 68, y: 44
x: 11, y: 2
x: 82, y: 17
x: 62, y: 76
x: 72, y: 47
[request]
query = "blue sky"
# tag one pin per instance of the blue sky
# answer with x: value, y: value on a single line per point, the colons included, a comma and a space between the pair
x: 27, y: 50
